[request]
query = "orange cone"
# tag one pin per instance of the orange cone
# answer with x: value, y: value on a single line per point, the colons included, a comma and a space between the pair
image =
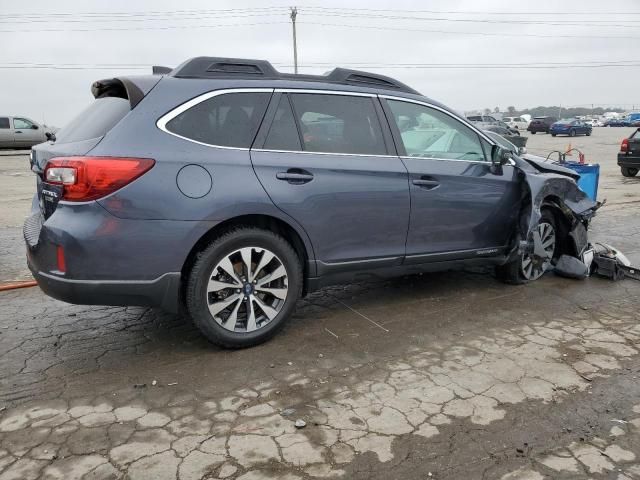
x: 568, y: 151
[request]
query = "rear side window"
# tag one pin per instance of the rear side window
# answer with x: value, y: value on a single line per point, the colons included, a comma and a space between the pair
x: 283, y: 133
x: 228, y: 120
x: 4, y: 122
x: 338, y: 124
x: 95, y: 120
x: 21, y: 124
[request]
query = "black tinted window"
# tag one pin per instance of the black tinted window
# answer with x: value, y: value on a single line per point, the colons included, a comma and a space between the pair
x: 4, y: 122
x: 95, y: 120
x: 283, y: 134
x: 338, y: 124
x: 228, y: 120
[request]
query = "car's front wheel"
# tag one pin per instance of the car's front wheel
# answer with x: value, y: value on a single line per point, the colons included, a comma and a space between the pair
x: 629, y: 171
x: 572, y: 133
x: 553, y: 134
x: 532, y: 265
x: 243, y: 287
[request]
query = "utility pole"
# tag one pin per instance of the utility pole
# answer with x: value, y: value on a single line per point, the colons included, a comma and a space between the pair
x: 294, y: 14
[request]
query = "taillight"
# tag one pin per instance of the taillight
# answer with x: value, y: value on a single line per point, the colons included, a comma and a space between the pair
x: 90, y: 178
x: 624, y: 146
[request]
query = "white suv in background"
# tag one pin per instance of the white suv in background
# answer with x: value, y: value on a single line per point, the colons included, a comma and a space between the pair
x: 516, y: 122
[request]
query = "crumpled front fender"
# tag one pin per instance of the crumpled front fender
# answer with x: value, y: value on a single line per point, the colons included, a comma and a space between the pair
x: 544, y: 189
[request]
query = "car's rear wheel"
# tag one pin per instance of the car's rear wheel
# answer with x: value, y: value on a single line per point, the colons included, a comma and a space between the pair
x: 588, y: 133
x: 553, y: 134
x: 533, y: 133
x: 532, y: 265
x: 629, y: 171
x: 243, y: 287
x: 572, y: 133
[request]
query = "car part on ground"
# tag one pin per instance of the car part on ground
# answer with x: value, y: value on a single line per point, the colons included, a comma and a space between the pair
x: 609, y: 262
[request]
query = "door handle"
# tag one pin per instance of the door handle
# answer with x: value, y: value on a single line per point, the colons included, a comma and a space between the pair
x: 18, y: 131
x: 426, y: 182
x: 295, y: 176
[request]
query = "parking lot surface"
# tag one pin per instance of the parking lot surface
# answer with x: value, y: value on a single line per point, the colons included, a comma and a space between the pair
x: 450, y: 375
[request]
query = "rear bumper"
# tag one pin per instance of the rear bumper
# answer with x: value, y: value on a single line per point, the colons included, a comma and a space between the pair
x: 106, y: 260
x: 629, y: 160
x: 161, y: 292
x: 538, y: 129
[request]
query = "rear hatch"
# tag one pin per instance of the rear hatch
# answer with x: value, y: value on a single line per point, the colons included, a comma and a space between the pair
x: 114, y: 99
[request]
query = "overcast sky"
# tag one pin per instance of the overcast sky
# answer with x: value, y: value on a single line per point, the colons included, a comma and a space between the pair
x: 377, y: 34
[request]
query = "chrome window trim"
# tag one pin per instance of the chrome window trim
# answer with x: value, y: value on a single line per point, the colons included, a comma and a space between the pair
x: 161, y: 123
x: 325, y: 92
x: 323, y: 153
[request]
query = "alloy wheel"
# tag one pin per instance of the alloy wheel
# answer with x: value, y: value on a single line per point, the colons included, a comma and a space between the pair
x: 535, y: 263
x: 247, y: 289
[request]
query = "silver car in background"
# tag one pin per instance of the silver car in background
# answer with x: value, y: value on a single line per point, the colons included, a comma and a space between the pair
x: 21, y: 132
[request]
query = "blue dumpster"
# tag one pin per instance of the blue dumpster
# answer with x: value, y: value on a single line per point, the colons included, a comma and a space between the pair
x: 589, y: 177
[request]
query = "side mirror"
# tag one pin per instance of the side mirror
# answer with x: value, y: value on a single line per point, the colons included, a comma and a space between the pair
x: 34, y: 127
x: 499, y: 156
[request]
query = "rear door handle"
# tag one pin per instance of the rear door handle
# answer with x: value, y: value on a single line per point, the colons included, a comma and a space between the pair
x: 295, y: 176
x: 426, y: 183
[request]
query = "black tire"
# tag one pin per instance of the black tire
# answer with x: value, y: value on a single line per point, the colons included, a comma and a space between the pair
x: 511, y: 272
x: 588, y: 133
x: 533, y: 133
x: 553, y: 134
x: 196, y: 292
x: 629, y: 171
x: 572, y: 133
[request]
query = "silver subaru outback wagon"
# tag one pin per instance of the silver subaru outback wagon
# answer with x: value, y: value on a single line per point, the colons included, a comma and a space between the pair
x: 227, y: 190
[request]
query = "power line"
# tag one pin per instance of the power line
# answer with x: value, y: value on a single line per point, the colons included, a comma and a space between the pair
x: 155, y: 27
x: 517, y: 66
x: 471, y: 12
x: 487, y: 34
x: 582, y: 23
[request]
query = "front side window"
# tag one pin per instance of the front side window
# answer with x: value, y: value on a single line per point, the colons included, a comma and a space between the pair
x: 21, y: 124
x: 228, y: 120
x: 429, y: 133
x: 338, y: 124
x: 4, y: 122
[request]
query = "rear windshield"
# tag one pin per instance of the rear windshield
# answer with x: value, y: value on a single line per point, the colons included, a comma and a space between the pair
x: 95, y: 120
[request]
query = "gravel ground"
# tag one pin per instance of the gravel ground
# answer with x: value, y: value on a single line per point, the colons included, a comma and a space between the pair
x: 447, y: 376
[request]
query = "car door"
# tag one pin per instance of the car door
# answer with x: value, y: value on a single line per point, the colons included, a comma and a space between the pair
x: 6, y: 133
x: 459, y: 208
x: 26, y: 133
x: 324, y: 158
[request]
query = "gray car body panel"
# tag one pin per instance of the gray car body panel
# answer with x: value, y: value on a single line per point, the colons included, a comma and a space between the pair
x: 361, y: 218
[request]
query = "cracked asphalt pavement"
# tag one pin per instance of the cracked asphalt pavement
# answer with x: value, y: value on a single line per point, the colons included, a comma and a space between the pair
x: 447, y: 376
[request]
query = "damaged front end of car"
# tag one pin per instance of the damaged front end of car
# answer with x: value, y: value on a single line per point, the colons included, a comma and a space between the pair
x: 550, y: 187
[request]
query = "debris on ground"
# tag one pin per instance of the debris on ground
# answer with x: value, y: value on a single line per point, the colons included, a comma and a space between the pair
x: 611, y: 263
x: 287, y: 412
x: 154, y: 383
x: 571, y: 267
x: 300, y: 423
x: 172, y: 384
x: 140, y: 385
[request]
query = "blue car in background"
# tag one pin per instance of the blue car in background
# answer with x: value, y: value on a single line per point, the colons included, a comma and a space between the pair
x: 571, y: 127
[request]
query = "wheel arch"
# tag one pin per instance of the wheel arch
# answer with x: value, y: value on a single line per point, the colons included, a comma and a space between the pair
x: 298, y: 241
x: 564, y: 223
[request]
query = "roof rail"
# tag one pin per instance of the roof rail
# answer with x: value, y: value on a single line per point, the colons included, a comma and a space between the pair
x: 215, y: 67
